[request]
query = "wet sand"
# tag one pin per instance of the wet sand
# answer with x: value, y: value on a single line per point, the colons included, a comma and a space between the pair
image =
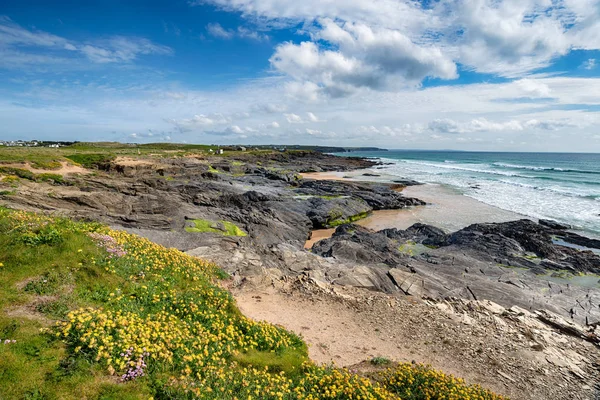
x: 324, y: 176
x: 446, y: 209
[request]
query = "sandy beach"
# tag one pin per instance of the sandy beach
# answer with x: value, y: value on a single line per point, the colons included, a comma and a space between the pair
x: 446, y: 208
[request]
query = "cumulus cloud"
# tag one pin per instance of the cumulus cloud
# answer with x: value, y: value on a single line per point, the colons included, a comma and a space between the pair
x: 387, y: 44
x: 365, y: 58
x: 293, y: 118
x: 273, y: 125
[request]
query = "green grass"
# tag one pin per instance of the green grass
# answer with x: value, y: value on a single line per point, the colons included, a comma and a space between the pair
x: 380, y: 361
x: 90, y: 160
x: 203, y: 225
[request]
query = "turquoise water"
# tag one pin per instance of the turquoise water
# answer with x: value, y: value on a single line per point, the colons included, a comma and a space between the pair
x: 560, y: 186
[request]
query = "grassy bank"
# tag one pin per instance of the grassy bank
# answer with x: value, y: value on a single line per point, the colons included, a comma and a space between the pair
x: 89, y: 312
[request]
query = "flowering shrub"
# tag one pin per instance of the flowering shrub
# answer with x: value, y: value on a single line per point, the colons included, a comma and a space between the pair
x: 419, y: 382
x: 108, y: 243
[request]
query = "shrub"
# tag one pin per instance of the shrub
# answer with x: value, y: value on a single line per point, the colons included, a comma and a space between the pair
x: 420, y: 382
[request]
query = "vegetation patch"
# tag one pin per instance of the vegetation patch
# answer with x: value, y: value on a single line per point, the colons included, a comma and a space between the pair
x: 52, y: 178
x: 92, y: 160
x: 380, y: 361
x: 335, y: 219
x: 18, y: 172
x: 412, y: 248
x: 224, y: 228
x: 419, y: 382
x: 40, y: 164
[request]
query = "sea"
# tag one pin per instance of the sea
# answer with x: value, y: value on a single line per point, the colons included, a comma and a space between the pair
x: 561, y: 186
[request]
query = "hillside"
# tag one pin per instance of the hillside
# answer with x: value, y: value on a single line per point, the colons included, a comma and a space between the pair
x: 90, y: 312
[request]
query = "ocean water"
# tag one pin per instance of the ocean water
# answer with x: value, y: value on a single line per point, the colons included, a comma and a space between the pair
x: 560, y: 186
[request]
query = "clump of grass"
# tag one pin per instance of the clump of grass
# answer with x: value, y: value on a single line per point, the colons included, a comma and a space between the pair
x: 380, y: 361
x: 18, y: 172
x: 39, y: 164
x: 224, y: 228
x: 52, y: 178
x: 10, y: 179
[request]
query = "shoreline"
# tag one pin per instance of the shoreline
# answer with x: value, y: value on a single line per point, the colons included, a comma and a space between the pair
x: 445, y: 209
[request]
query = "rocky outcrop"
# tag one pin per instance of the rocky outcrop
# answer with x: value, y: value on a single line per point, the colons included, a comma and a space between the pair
x: 507, y: 263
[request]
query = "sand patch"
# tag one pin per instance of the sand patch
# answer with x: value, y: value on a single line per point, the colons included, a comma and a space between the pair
x: 317, y: 235
x: 65, y: 169
x: 131, y: 162
x: 324, y: 176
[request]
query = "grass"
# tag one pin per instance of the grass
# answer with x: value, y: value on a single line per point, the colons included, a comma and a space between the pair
x: 380, y: 361
x: 224, y: 228
x: 90, y: 160
x: 94, y: 313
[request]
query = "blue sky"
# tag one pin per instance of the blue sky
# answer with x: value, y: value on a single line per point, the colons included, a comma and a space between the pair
x: 461, y: 74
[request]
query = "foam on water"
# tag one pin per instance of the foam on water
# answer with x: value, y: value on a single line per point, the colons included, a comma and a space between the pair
x: 562, y: 187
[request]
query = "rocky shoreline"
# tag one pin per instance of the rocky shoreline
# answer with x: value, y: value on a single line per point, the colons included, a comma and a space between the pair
x: 197, y: 204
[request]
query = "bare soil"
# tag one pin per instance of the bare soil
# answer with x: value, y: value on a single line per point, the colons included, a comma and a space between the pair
x: 346, y: 326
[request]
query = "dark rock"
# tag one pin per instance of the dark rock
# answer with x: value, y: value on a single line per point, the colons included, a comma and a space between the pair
x: 554, y: 225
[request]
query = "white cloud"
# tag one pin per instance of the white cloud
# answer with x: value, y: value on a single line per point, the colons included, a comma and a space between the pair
x: 16, y: 45
x: 293, y: 118
x: 199, y: 121
x: 533, y: 88
x: 270, y: 108
x: 387, y: 44
x: 216, y: 30
x: 273, y: 125
x: 564, y: 120
x: 235, y: 129
x: 589, y: 64
x: 312, y: 117
x: 484, y: 125
x: 379, y: 59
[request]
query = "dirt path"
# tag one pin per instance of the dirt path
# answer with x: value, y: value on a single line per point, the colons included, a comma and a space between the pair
x: 405, y: 330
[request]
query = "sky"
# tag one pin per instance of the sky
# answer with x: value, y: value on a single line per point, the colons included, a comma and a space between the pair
x: 491, y: 75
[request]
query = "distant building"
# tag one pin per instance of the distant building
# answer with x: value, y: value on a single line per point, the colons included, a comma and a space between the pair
x: 220, y: 151
x: 241, y: 148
